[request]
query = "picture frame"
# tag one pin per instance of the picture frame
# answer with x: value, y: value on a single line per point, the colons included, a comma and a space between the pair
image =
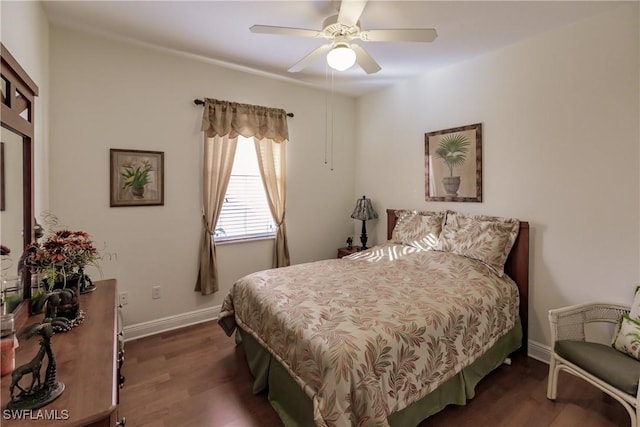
x: 453, y: 164
x: 136, y: 177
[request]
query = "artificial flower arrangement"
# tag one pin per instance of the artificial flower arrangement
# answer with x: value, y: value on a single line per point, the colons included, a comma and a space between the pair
x: 4, y: 250
x: 5, y: 258
x: 58, y: 262
x: 61, y: 255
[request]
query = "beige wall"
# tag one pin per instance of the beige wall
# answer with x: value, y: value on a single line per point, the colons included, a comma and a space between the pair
x: 560, y: 116
x: 110, y: 94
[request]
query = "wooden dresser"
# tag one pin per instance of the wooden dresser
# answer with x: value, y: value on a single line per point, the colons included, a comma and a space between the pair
x: 87, y: 360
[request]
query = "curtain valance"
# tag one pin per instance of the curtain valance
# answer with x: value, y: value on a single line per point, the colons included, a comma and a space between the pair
x: 221, y: 118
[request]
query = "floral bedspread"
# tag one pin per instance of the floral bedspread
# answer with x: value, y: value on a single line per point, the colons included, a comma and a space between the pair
x: 369, y: 334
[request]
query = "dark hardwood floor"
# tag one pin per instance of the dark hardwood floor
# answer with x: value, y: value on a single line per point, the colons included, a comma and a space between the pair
x: 197, y: 377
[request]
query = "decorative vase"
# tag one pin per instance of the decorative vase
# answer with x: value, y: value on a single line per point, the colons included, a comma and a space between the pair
x: 12, y: 297
x: 138, y: 191
x: 451, y: 185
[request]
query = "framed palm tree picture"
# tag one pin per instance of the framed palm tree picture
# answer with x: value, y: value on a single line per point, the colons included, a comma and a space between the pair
x: 453, y: 164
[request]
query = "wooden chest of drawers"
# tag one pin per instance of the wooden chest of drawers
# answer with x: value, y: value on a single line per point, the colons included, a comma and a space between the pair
x: 87, y: 359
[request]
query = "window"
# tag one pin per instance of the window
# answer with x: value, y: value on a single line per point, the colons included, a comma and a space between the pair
x: 245, y: 212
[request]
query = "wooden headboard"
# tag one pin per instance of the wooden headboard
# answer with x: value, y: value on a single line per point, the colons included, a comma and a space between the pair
x: 516, y: 267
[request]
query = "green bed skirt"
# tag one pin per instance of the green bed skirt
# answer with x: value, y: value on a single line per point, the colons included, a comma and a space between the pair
x: 295, y: 408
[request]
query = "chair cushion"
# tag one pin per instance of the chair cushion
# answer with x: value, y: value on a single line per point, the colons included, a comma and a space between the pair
x: 604, y: 362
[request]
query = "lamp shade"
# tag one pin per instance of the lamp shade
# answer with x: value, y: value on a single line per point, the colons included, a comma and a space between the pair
x: 364, y: 210
x: 341, y: 57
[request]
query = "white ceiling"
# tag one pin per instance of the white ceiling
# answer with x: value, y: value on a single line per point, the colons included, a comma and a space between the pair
x: 219, y: 31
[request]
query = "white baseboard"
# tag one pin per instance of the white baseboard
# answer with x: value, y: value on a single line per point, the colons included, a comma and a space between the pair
x: 152, y: 327
x: 538, y: 351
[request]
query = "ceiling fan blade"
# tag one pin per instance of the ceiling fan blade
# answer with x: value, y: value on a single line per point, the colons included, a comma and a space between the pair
x: 350, y: 11
x: 364, y: 60
x: 298, y: 66
x: 400, y: 35
x: 285, y: 31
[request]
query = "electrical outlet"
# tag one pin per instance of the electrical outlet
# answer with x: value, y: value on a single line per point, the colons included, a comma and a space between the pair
x: 155, y: 292
x: 124, y: 298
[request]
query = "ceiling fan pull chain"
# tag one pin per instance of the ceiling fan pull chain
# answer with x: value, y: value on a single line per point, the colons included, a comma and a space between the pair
x: 332, y: 118
x: 326, y: 113
x: 328, y: 118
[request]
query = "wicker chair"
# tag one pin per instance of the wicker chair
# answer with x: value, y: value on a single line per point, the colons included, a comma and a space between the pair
x: 610, y: 370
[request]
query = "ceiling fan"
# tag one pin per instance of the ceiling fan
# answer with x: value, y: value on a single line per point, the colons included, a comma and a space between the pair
x: 340, y: 30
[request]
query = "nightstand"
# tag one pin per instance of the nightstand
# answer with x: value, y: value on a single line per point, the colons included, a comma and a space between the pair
x: 346, y: 251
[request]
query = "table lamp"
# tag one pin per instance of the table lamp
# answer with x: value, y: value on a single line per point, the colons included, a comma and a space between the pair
x: 364, y: 212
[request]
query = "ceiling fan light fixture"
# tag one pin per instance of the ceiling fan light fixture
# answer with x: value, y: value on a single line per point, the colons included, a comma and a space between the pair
x: 341, y: 57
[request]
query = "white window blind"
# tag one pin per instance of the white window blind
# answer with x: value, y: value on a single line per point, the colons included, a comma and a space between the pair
x: 245, y: 212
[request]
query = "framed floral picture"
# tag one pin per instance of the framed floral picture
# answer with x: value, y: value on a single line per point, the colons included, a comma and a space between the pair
x: 136, y: 177
x: 453, y: 164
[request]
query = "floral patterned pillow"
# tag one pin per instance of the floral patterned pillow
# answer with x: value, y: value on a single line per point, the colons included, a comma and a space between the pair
x: 418, y: 229
x: 627, y: 336
x: 485, y: 238
x: 635, y: 307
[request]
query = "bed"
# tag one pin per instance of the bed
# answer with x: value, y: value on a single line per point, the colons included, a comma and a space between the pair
x: 390, y: 335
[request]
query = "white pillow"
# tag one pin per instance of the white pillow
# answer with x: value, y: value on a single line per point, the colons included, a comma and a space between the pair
x: 627, y: 336
x: 635, y: 307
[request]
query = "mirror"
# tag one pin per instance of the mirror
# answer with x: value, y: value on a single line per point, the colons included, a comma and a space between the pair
x: 16, y: 170
x: 11, y: 215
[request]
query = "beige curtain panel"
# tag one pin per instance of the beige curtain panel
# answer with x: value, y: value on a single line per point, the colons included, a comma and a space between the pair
x: 273, y: 165
x: 218, y: 162
x: 222, y: 122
